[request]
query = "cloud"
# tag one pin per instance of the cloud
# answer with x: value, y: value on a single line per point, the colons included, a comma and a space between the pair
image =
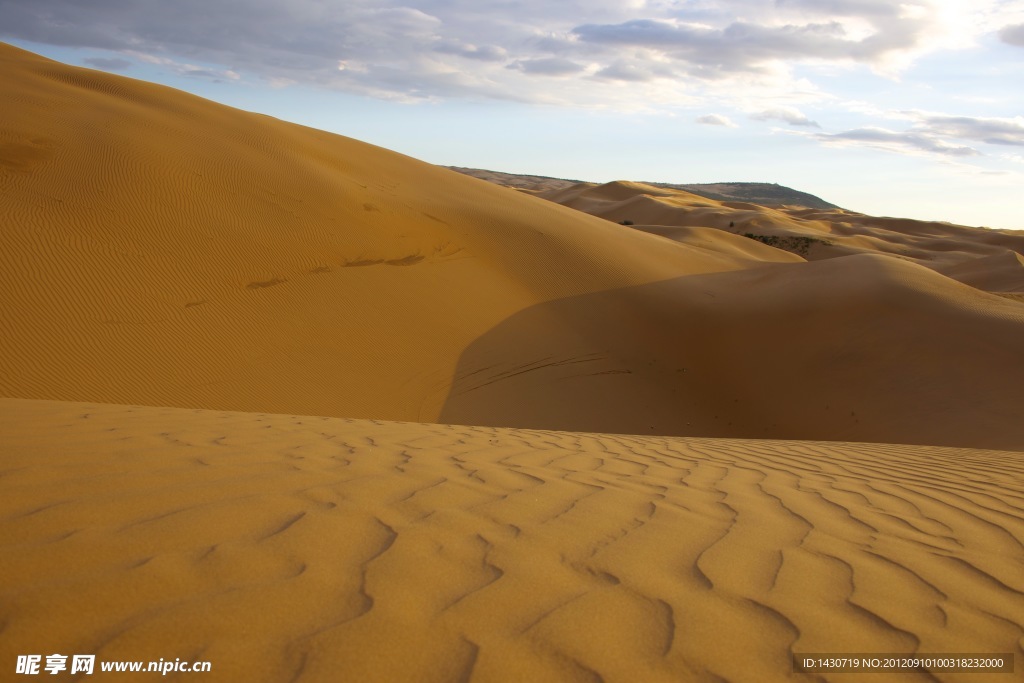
x: 185, y: 68
x: 744, y: 46
x: 623, y: 71
x: 1012, y: 35
x: 550, y: 66
x: 484, y: 53
x: 715, y: 120
x: 737, y: 47
x: 413, y: 50
x: 935, y: 134
x: 992, y: 131
x: 108, y: 64
x: 786, y: 114
x: 895, y: 141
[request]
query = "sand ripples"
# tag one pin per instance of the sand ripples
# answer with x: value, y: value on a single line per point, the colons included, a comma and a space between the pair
x: 302, y: 548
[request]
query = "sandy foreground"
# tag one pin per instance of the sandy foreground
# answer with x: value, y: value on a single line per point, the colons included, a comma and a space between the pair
x: 285, y: 548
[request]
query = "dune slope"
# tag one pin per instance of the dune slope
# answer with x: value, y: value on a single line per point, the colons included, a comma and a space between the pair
x: 293, y: 548
x: 163, y: 249
x: 861, y: 348
x: 160, y: 249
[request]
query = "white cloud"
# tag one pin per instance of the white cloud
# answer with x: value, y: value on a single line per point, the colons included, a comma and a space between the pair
x: 903, y: 142
x: 992, y: 131
x: 484, y: 53
x: 935, y: 135
x: 108, y: 63
x: 186, y: 68
x: 715, y: 120
x: 790, y: 115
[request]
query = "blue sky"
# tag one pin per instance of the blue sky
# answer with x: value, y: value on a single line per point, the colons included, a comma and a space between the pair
x: 908, y: 109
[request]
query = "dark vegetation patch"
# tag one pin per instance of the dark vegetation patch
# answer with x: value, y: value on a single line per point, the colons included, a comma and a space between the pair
x: 794, y: 244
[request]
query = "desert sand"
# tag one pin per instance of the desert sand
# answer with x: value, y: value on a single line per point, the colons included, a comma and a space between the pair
x: 987, y: 259
x: 284, y: 548
x: 160, y: 249
x: 235, y: 354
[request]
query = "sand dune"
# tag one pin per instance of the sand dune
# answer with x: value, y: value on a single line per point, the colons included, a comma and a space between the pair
x: 307, y: 549
x: 765, y: 194
x: 858, y: 349
x: 160, y: 249
x: 811, y: 232
x: 1002, y: 272
x: 165, y: 250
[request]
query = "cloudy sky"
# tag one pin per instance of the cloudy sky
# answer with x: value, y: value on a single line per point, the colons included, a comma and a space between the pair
x: 910, y: 109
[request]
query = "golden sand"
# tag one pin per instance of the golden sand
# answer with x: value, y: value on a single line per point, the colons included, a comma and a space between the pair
x: 983, y: 258
x: 285, y: 548
x: 161, y: 250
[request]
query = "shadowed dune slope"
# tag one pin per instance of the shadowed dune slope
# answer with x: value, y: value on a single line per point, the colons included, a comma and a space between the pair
x: 284, y: 548
x: 818, y: 233
x: 861, y: 348
x: 162, y: 249
x: 996, y: 273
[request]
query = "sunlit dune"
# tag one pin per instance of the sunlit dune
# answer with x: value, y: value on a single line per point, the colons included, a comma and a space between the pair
x: 161, y: 249
x: 963, y: 253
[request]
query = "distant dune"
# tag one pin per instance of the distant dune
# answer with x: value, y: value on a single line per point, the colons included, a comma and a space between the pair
x: 768, y: 194
x: 235, y: 354
x: 792, y: 220
x: 161, y: 249
x: 983, y: 258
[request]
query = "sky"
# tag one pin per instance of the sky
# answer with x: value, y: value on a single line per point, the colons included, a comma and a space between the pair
x: 911, y: 109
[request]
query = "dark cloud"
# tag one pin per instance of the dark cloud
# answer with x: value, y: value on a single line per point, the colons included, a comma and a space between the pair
x: 453, y: 48
x: 1012, y: 35
x: 108, y: 64
x: 202, y: 73
x: 786, y: 115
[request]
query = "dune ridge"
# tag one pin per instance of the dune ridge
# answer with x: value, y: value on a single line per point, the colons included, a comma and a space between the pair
x: 295, y: 548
